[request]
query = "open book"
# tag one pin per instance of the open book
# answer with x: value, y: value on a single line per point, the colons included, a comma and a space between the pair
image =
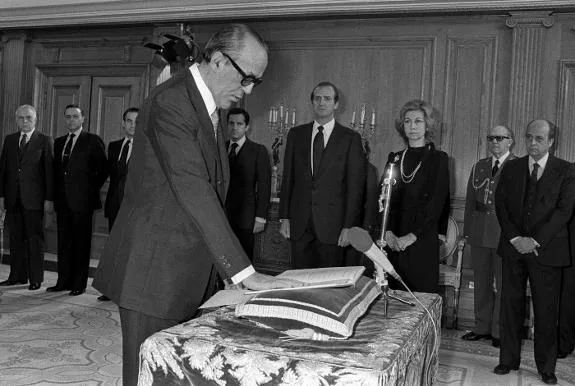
x: 331, y: 277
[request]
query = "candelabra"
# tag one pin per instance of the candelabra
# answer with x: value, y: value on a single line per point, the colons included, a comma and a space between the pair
x: 280, y: 120
x: 365, y: 129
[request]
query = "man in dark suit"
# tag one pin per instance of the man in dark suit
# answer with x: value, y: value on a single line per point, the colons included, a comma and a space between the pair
x: 534, y: 202
x: 248, y: 196
x: 80, y: 171
x: 26, y: 193
x: 482, y: 231
x: 323, y: 185
x: 119, y: 153
x: 172, y: 233
x: 567, y: 304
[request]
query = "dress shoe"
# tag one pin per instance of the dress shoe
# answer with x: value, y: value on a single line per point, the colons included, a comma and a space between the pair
x: 473, y: 336
x: 548, y: 378
x: 103, y: 298
x: 502, y: 369
x: 57, y: 288
x: 77, y: 292
x: 34, y: 286
x: 13, y: 282
x: 495, y: 342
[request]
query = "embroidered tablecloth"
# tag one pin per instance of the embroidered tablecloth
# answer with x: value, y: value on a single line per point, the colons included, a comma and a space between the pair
x: 220, y: 349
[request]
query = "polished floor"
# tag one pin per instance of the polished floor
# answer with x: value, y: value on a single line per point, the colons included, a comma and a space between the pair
x: 57, y: 339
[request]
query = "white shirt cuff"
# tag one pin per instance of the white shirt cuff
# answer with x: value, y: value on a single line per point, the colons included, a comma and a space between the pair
x: 262, y: 220
x: 243, y: 275
x: 513, y: 239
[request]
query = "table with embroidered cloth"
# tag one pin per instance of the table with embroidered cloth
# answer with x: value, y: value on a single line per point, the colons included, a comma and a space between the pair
x: 221, y: 349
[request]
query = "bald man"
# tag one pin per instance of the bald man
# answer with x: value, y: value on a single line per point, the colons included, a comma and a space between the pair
x: 481, y: 231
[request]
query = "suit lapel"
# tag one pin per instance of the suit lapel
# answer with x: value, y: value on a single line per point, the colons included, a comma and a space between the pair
x: 214, y: 153
x: 331, y: 149
x: 548, y: 177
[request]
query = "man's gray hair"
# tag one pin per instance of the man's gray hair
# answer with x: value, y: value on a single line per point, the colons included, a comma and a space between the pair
x: 230, y: 40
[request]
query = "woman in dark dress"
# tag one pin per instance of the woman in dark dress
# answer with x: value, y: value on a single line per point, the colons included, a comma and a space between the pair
x: 418, y: 201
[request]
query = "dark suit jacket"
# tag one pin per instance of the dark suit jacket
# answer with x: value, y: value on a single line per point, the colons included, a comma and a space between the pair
x: 249, y: 193
x: 86, y: 172
x: 118, y: 175
x: 32, y: 173
x: 335, y: 196
x: 480, y: 222
x: 172, y: 227
x: 554, y: 208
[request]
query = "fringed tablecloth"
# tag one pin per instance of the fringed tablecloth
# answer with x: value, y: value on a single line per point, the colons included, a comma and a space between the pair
x: 220, y: 349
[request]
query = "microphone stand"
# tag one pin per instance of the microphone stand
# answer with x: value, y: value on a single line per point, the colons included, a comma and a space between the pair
x: 384, y: 204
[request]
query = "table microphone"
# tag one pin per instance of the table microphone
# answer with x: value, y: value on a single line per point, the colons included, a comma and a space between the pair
x: 361, y: 241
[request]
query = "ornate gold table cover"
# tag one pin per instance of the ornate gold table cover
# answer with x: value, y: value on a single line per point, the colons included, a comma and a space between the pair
x: 221, y: 349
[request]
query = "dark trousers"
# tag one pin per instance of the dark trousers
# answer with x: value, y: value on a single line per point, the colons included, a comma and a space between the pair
x: 26, y: 229
x: 136, y: 327
x: 487, y: 303
x: 74, y: 245
x: 246, y: 238
x: 567, y: 311
x: 545, y: 283
x: 309, y: 252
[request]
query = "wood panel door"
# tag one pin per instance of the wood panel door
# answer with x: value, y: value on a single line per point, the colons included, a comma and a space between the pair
x: 62, y: 91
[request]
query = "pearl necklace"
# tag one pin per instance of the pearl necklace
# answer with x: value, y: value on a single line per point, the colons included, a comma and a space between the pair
x: 407, y: 178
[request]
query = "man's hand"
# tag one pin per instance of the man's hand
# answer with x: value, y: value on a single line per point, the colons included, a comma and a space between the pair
x: 391, y: 240
x: 2, y: 204
x: 259, y: 226
x: 524, y: 245
x: 258, y: 281
x: 343, y: 240
x: 405, y: 241
x: 284, y: 228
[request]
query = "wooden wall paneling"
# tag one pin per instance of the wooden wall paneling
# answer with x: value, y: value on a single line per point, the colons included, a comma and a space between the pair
x: 383, y: 72
x: 468, y: 104
x: 13, y: 49
x: 529, y: 40
x: 565, y: 110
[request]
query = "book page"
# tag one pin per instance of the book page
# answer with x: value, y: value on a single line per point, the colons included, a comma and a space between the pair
x: 331, y: 277
x: 323, y: 275
x: 226, y: 298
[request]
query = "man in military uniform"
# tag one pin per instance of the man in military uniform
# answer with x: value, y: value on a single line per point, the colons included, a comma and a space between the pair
x: 482, y: 230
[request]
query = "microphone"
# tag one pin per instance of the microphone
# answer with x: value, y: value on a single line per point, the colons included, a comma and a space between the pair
x: 361, y: 241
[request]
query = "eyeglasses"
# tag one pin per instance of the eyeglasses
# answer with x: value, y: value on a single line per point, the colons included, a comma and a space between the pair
x: 497, y: 138
x: 246, y: 79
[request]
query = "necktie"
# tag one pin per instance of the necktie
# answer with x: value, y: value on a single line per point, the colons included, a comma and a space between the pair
x: 124, y: 155
x: 317, y: 149
x: 232, y: 155
x: 67, y: 151
x: 495, y: 168
x: 23, y: 143
x: 215, y: 117
x: 533, y: 177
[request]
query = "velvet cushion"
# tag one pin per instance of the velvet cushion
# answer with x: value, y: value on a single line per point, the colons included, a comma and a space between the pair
x: 320, y: 313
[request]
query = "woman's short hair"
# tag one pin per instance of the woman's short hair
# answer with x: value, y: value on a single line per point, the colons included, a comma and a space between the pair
x: 430, y: 115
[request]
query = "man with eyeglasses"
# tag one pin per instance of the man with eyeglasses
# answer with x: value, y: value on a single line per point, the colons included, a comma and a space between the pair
x: 171, y: 236
x: 323, y: 184
x: 534, y: 202
x: 481, y: 231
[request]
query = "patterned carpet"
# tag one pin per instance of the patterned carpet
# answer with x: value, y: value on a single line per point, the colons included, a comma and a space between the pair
x: 56, y: 339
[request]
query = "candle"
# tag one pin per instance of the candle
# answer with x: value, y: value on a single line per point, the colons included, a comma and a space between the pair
x: 362, y: 118
x: 373, y: 117
x: 353, y: 118
x: 286, y: 117
x: 275, y: 115
x: 293, y: 118
x: 271, y: 116
x: 281, y: 112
